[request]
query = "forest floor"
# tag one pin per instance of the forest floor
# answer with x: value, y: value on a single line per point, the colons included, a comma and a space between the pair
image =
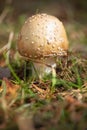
x: 51, y: 103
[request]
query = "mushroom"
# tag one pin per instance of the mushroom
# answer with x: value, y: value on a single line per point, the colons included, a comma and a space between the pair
x: 41, y: 40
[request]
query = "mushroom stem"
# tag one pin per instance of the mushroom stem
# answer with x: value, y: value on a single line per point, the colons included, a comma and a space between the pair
x: 43, y: 67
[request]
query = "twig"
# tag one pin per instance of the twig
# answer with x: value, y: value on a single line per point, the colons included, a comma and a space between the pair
x: 37, y: 88
x: 3, y: 15
x: 3, y: 49
x: 7, y: 46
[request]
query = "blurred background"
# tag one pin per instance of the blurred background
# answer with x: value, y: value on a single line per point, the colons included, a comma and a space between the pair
x: 73, y: 13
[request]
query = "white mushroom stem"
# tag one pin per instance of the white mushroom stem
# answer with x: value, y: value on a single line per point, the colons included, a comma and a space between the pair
x: 43, y: 67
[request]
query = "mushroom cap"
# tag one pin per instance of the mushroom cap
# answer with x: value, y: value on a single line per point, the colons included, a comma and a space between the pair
x: 42, y: 36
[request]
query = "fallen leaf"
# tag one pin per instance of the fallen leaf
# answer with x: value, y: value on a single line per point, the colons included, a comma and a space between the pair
x: 11, y: 89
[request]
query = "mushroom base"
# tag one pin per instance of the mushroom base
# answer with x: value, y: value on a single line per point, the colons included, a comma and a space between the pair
x: 43, y: 67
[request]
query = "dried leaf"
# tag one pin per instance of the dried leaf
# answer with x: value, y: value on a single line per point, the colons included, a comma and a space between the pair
x: 11, y: 89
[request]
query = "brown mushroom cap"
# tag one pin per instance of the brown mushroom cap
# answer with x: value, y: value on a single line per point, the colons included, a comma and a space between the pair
x: 42, y: 36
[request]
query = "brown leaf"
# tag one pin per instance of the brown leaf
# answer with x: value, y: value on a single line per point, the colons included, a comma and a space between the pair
x: 11, y: 89
x: 25, y: 123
